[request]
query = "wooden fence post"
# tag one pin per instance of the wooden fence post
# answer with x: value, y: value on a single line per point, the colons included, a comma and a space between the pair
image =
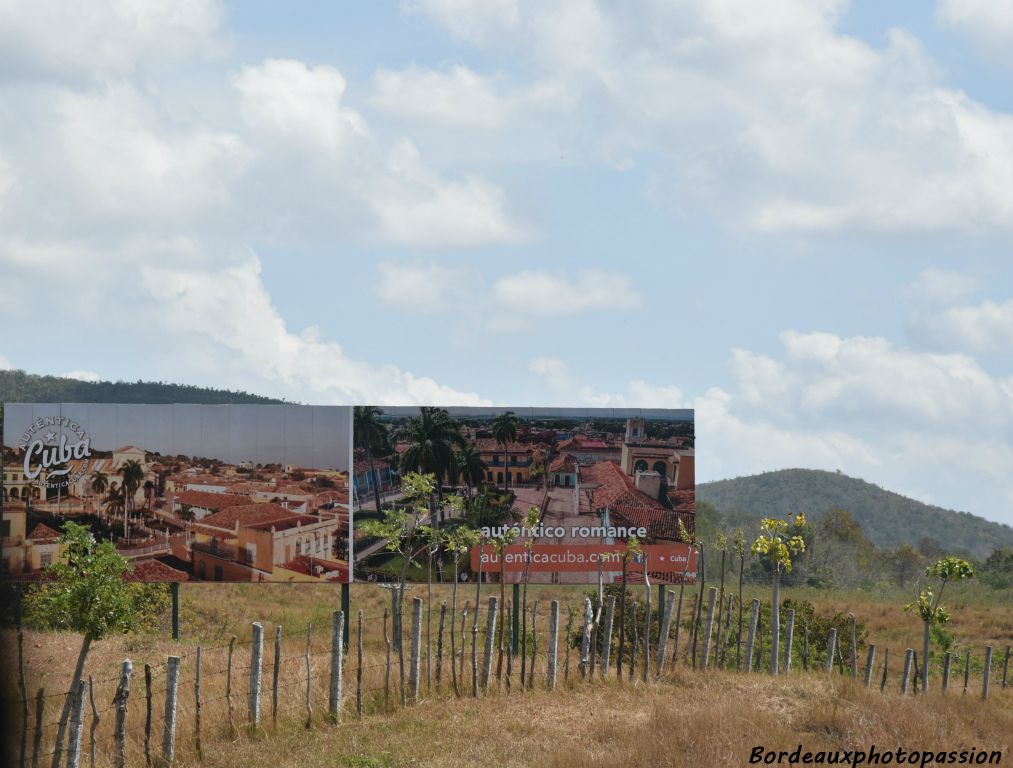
x: 805, y: 646
x: 439, y: 642
x: 94, y: 721
x: 1005, y: 668
x: 906, y: 676
x: 754, y: 615
x: 197, y: 706
x: 967, y: 669
x: 987, y: 673
x: 337, y: 652
x: 666, y: 627
x: 490, y: 638
x: 76, y: 727
x: 228, y: 685
x: 831, y: 648
x: 569, y: 631
x: 553, y: 643
x: 854, y: 647
x: 789, y: 638
x: 276, y: 674
x: 712, y: 595
x: 309, y: 675
x: 870, y: 661
x: 415, y: 649
x: 358, y: 670
x: 474, y: 651
x: 947, y: 661
x: 256, y: 670
x: 169, y: 721
x: 534, y: 646
x: 886, y: 669
x: 606, y: 636
x: 645, y: 673
x: 585, y: 638
x: 40, y: 708
x: 634, y: 642
x: 917, y: 674
x: 386, y: 674
x: 147, y: 715
x: 728, y: 631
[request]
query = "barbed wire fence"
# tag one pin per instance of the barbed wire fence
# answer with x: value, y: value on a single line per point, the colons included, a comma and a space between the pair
x: 206, y: 695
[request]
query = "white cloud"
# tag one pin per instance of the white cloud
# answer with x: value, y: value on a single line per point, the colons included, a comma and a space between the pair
x: 765, y: 114
x: 429, y: 288
x: 77, y: 41
x: 81, y: 375
x: 299, y: 103
x: 980, y: 328
x: 941, y: 287
x: 988, y: 23
x: 227, y: 317
x: 472, y: 21
x: 554, y: 371
x: 5, y: 364
x: 537, y: 293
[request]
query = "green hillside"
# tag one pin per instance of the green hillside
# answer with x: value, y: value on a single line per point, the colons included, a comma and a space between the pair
x: 18, y: 386
x: 888, y: 519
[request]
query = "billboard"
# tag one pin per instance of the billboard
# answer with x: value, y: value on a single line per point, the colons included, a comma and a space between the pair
x: 563, y: 495
x: 240, y: 493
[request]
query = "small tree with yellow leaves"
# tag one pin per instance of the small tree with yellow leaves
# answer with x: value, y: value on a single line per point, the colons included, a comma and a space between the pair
x: 928, y: 604
x: 777, y: 542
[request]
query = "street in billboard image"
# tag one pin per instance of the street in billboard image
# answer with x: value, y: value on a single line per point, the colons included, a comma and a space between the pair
x: 240, y: 493
x: 547, y: 495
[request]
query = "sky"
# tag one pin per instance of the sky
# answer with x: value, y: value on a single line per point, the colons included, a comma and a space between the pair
x: 795, y: 217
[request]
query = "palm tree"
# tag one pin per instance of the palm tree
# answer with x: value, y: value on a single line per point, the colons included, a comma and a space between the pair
x: 99, y: 483
x: 469, y: 461
x: 370, y: 435
x: 132, y: 474
x: 504, y: 429
x: 114, y: 504
x: 432, y: 437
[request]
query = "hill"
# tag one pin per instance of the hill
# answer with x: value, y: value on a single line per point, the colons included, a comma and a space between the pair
x: 888, y: 519
x: 18, y: 386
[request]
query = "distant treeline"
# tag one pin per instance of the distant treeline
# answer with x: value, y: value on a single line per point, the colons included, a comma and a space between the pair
x: 18, y: 386
x: 839, y: 555
x: 888, y: 519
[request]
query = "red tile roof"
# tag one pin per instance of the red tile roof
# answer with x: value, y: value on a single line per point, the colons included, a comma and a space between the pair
x: 216, y: 501
x: 246, y: 514
x: 582, y: 443
x: 660, y: 523
x: 153, y: 571
x: 282, y: 524
x: 42, y: 532
x: 614, y: 487
x: 489, y: 445
x: 563, y: 463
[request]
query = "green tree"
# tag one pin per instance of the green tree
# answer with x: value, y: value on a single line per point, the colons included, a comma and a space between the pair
x: 929, y: 606
x: 99, y: 482
x: 87, y: 594
x: 132, y: 474
x: 371, y: 436
x: 530, y: 522
x: 499, y: 546
x: 776, y: 544
x: 473, y: 469
x: 432, y: 437
x: 504, y: 430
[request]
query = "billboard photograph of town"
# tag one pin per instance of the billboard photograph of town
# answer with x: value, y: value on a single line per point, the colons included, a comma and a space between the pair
x: 227, y: 493
x: 548, y: 495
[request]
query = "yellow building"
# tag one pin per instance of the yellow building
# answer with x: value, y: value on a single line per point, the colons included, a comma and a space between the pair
x: 17, y: 487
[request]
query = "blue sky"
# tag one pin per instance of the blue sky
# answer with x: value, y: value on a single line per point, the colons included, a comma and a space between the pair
x: 794, y: 216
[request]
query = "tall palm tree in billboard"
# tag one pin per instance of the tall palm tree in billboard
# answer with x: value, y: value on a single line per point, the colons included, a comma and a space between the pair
x: 504, y: 430
x: 370, y: 435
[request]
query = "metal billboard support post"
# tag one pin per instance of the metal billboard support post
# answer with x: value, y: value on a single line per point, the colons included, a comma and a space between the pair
x: 346, y: 601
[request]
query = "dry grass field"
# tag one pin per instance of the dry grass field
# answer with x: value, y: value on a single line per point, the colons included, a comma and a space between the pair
x: 686, y: 719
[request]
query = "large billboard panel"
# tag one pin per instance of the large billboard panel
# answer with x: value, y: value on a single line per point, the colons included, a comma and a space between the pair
x: 611, y: 491
x: 241, y: 493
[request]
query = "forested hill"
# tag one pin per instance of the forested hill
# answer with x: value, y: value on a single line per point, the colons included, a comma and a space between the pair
x: 18, y: 386
x: 887, y: 519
